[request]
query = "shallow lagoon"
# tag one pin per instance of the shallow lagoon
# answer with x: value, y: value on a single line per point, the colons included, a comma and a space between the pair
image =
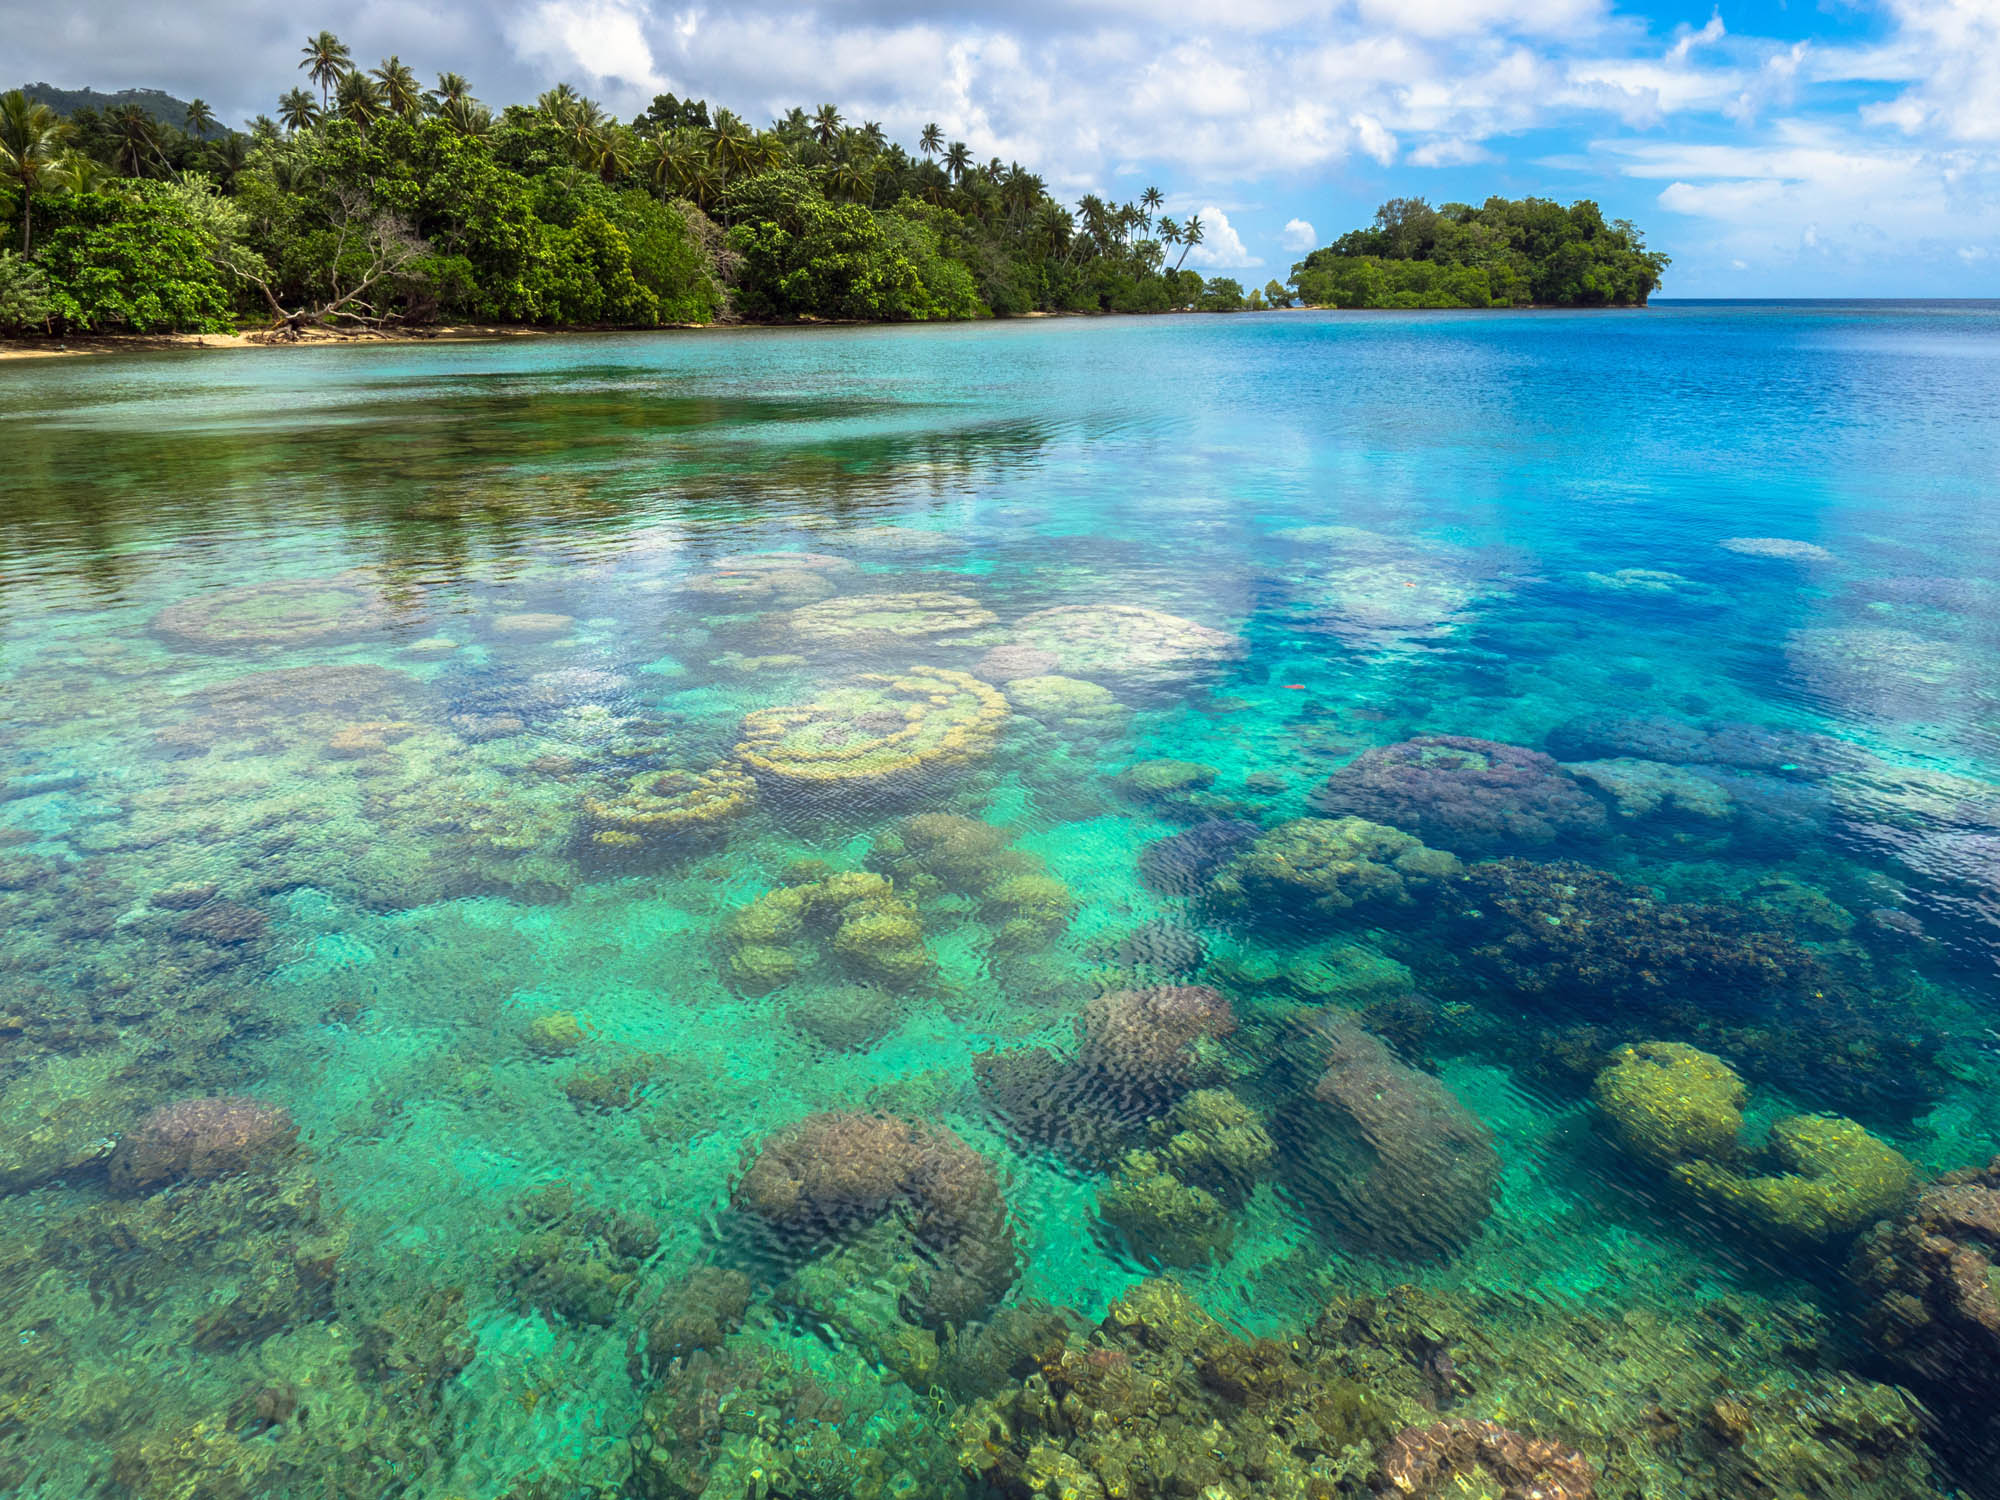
x: 765, y: 871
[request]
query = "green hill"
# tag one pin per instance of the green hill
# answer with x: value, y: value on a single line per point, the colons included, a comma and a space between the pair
x: 162, y: 106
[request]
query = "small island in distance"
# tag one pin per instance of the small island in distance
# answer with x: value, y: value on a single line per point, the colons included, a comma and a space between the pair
x: 370, y: 204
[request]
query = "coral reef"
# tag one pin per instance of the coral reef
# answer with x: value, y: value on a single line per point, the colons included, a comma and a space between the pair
x: 1163, y: 1220
x: 284, y: 613
x: 1786, y: 548
x: 699, y: 1310
x: 1828, y: 1180
x: 885, y: 735
x: 1385, y: 1157
x: 1124, y: 643
x: 1651, y: 789
x: 555, y: 1033
x: 1447, y: 1458
x: 766, y: 580
x: 1666, y: 1102
x: 667, y: 809
x: 846, y: 1018
x: 1184, y: 863
x: 574, y: 1261
x: 854, y: 918
x: 1567, y: 933
x: 1930, y: 1283
x: 197, y: 1139
x: 1023, y: 904
x: 833, y: 1174
x: 882, y: 621
x: 1325, y: 867
x: 1067, y: 705
x: 1141, y: 1051
x: 1162, y: 1401
x: 1468, y: 795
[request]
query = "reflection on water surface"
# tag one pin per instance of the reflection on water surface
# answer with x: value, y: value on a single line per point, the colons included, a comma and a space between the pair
x: 1294, y: 906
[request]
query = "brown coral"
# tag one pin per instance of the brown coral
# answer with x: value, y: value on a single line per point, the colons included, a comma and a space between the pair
x: 286, y: 613
x: 1429, y: 1463
x: 200, y: 1138
x: 833, y: 1174
x: 1468, y: 795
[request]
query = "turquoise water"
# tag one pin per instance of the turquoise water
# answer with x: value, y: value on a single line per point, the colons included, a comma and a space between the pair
x: 710, y: 914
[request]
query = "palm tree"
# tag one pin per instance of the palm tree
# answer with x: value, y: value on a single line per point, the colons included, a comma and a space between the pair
x: 31, y: 153
x: 852, y: 181
x: 326, y: 59
x: 826, y: 125
x: 1150, y: 200
x: 135, y: 140
x: 468, y: 118
x: 871, y: 132
x: 931, y: 141
x: 77, y: 173
x: 297, y: 110
x: 228, y: 157
x: 1191, y: 235
x: 400, y: 90
x: 958, y: 160
x: 200, y: 119
x: 451, y: 89
x: 730, y: 146
x: 360, y: 98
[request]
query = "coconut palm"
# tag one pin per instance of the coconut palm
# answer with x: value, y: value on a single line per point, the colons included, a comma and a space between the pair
x: 468, y: 118
x: 1191, y: 235
x: 1150, y: 201
x: 31, y: 152
x: 871, y: 132
x: 227, y: 158
x: 200, y: 119
x: 296, y: 110
x: 853, y: 181
x: 135, y: 140
x: 78, y: 173
x: 451, y: 89
x: 360, y: 98
x: 730, y: 145
x: 958, y: 160
x: 326, y: 59
x: 400, y: 89
x: 826, y: 125
x: 931, y: 141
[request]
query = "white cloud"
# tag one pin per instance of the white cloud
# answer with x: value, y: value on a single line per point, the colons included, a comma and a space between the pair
x: 1299, y: 235
x: 603, y: 38
x: 1449, y: 152
x: 1373, y: 138
x: 1221, y: 247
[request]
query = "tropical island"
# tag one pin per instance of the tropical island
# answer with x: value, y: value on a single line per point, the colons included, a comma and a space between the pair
x: 369, y: 203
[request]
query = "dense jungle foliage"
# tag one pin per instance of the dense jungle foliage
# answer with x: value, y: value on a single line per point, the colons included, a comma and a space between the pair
x: 370, y: 201
x: 1505, y: 253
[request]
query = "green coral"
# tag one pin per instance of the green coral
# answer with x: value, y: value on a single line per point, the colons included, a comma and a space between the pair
x: 1833, y: 1179
x: 1161, y: 1218
x: 1666, y: 1102
x: 1328, y: 866
x: 1214, y: 1141
x: 854, y: 917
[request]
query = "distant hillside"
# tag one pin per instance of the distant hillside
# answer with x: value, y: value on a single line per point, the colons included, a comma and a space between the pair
x: 161, y: 106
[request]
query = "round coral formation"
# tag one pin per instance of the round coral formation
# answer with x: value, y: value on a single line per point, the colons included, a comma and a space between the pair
x: 664, y: 807
x: 1468, y: 795
x: 854, y: 917
x: 766, y: 580
x: 1143, y: 1048
x: 198, y: 1139
x: 1124, y: 642
x: 846, y: 1018
x: 883, y: 734
x: 886, y: 620
x: 1324, y: 867
x: 832, y: 1175
x: 1068, y: 705
x: 1666, y: 1102
x: 290, y: 613
x: 1386, y: 1158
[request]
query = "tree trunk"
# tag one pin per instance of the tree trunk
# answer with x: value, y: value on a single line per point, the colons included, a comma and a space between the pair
x: 27, y: 223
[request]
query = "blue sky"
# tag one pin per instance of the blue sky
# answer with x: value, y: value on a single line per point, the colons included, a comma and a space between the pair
x: 1773, y: 149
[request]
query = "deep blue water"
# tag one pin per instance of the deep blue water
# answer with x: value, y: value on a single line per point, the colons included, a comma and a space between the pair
x: 778, y: 876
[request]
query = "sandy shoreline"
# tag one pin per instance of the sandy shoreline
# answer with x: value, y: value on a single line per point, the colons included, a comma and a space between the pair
x: 256, y: 338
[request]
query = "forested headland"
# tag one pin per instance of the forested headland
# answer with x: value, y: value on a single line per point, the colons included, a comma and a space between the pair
x: 368, y: 201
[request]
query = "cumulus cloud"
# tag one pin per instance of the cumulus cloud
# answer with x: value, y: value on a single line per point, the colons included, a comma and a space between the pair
x: 604, y: 39
x: 1221, y: 246
x: 1299, y: 234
